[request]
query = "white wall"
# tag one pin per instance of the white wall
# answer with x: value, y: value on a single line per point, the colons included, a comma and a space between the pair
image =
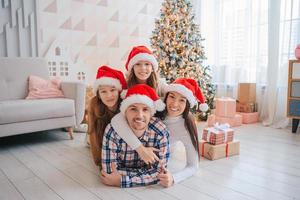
x: 96, y: 32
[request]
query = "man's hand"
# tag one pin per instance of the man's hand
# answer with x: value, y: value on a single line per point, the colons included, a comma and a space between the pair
x: 165, y: 178
x: 113, y: 179
x: 147, y: 154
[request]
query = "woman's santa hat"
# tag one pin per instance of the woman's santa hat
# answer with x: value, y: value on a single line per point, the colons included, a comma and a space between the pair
x: 190, y: 90
x: 108, y: 76
x: 140, y: 53
x: 141, y: 93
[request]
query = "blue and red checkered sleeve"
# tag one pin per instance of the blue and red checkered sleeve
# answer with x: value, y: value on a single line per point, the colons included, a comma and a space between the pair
x: 109, y: 149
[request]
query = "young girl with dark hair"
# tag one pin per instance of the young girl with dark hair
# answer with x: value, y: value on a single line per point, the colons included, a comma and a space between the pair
x: 103, y: 106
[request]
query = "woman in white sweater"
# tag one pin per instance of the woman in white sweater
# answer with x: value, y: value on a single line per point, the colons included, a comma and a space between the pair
x: 181, y: 95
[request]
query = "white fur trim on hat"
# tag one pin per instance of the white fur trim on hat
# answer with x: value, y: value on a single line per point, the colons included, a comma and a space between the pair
x: 143, y: 57
x: 107, y: 81
x: 183, y: 91
x: 137, y: 99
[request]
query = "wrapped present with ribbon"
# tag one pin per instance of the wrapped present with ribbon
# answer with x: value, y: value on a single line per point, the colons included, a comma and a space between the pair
x: 218, y: 134
x: 225, y: 107
x: 213, y: 152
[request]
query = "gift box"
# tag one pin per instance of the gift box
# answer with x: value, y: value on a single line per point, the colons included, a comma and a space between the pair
x: 218, y: 134
x: 297, y: 51
x: 246, y: 107
x: 246, y: 92
x: 225, y: 107
x: 213, y: 152
x: 249, y: 118
x: 232, y: 121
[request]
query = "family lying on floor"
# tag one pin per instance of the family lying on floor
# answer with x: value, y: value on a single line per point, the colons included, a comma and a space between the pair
x: 133, y: 133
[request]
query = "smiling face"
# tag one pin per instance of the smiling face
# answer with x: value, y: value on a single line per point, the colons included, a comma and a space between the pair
x: 109, y: 95
x: 138, y: 117
x: 142, y: 71
x: 176, y: 104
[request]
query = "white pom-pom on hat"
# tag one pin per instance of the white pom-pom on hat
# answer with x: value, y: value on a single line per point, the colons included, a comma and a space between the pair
x: 203, y: 107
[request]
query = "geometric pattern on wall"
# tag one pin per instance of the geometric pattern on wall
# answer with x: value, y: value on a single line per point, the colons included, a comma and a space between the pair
x: 18, y: 28
x: 97, y: 32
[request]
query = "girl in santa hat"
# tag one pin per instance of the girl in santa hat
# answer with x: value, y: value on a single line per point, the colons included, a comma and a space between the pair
x: 181, y: 95
x: 142, y: 68
x: 103, y: 106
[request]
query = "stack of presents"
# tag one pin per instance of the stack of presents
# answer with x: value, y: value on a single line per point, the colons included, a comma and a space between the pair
x: 217, y: 140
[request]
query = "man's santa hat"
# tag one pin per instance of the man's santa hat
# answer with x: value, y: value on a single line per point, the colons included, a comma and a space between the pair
x: 141, y: 93
x: 108, y: 76
x: 190, y: 90
x: 140, y: 53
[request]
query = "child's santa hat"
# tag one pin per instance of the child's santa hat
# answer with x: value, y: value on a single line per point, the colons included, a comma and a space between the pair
x: 140, y: 53
x: 108, y: 76
x: 141, y: 93
x: 190, y: 90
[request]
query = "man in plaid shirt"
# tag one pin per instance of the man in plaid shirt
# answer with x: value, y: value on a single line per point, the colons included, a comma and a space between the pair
x: 121, y: 165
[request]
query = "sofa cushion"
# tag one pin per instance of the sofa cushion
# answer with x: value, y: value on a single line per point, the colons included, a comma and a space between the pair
x: 22, y: 110
x: 40, y: 88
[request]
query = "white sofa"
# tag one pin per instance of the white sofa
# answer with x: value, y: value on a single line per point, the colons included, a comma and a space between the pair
x: 18, y: 115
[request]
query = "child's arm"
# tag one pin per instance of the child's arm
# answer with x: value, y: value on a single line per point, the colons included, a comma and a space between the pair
x: 121, y: 126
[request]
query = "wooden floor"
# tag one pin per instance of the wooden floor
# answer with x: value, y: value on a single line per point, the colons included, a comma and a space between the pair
x: 50, y: 166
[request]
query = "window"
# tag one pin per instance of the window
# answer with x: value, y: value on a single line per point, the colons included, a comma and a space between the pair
x: 57, y: 51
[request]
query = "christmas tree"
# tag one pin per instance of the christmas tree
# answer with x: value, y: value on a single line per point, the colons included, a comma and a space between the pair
x: 176, y: 42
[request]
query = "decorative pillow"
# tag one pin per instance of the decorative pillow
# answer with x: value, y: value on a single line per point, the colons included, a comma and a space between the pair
x: 42, y: 89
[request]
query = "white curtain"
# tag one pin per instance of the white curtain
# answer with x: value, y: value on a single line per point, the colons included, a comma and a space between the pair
x: 251, y: 41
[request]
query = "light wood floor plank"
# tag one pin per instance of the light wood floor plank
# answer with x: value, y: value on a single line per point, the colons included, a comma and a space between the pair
x: 78, y: 173
x: 7, y: 190
x: 35, y: 189
x: 64, y: 186
x: 13, y: 168
x: 215, y: 190
x: 240, y: 186
x: 264, y: 182
x: 268, y: 167
x: 182, y: 192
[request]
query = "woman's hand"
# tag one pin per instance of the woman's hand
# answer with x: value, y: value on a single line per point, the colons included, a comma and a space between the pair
x: 165, y: 178
x: 147, y: 154
x: 113, y: 179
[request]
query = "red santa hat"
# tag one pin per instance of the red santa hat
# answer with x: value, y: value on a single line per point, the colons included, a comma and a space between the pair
x: 190, y: 90
x: 108, y: 76
x: 140, y: 53
x: 141, y: 93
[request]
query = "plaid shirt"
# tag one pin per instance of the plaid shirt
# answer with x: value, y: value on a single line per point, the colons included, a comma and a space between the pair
x: 133, y: 170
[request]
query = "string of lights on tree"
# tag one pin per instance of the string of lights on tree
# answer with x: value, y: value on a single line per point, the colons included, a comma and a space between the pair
x: 176, y: 41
